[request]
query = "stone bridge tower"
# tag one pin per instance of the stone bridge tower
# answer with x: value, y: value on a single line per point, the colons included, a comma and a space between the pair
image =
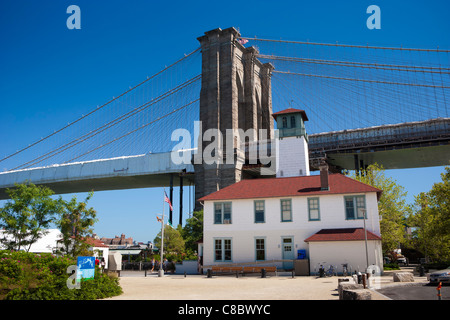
x: 235, y: 94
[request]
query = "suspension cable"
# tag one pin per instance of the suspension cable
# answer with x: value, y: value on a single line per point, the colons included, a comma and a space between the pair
x: 100, y: 107
x: 345, y: 45
x: 107, y: 125
x: 137, y: 129
x: 363, y: 80
x: 359, y: 64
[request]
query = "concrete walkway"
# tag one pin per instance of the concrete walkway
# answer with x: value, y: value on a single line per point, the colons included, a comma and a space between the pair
x: 198, y: 287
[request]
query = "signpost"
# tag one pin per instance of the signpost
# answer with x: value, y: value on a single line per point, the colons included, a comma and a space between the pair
x: 161, y: 250
x: 85, y: 268
x: 363, y: 211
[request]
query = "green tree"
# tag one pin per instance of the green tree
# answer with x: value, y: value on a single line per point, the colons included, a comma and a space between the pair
x: 75, y: 223
x: 392, y: 207
x: 173, y: 242
x: 431, y: 220
x: 27, y: 215
x: 193, y: 231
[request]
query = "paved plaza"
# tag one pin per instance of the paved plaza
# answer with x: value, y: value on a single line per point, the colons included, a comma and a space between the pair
x: 198, y: 287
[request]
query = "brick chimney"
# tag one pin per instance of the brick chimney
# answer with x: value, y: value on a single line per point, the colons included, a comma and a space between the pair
x: 324, y: 177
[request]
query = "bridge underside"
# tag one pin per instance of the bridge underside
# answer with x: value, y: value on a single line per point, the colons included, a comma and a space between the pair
x: 144, y: 171
x: 390, y: 157
x: 395, y: 146
x: 113, y: 183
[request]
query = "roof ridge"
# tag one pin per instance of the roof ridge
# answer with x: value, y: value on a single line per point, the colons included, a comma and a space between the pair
x: 289, y: 187
x: 363, y: 183
x: 333, y: 234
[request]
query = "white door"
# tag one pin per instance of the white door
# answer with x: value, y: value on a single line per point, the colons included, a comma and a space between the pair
x: 287, y: 252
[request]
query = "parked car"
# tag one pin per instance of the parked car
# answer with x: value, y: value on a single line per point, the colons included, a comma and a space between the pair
x: 401, y: 259
x: 439, y: 276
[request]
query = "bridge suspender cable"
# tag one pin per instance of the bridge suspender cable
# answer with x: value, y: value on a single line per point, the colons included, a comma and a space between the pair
x: 100, y: 107
x: 109, y: 125
x: 378, y: 66
x: 346, y: 45
x: 130, y: 132
x: 363, y: 80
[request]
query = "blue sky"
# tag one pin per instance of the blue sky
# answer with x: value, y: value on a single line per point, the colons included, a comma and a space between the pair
x: 50, y: 75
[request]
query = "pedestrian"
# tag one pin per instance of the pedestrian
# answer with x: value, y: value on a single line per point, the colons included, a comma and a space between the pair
x: 153, y: 264
x: 103, y: 264
x: 97, y: 261
x: 166, y: 265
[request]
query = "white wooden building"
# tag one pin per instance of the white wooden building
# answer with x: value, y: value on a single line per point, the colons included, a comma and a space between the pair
x: 317, y: 217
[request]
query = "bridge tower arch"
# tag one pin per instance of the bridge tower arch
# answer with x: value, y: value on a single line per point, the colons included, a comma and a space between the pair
x: 235, y: 94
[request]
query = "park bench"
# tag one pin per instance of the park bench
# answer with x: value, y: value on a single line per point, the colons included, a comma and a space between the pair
x: 252, y: 269
x: 226, y: 270
x: 236, y: 270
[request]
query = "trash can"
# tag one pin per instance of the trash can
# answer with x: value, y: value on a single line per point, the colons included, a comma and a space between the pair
x: 421, y: 271
x: 301, y: 254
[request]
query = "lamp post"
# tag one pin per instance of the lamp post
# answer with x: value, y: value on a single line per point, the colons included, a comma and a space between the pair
x: 161, y: 269
x: 364, y: 211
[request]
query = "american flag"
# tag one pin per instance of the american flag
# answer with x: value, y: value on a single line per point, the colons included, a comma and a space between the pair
x: 166, y: 199
x: 243, y: 41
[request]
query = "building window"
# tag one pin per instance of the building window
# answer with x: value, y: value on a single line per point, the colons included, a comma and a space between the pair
x: 313, y: 209
x: 260, y: 245
x: 222, y: 213
x: 286, y: 212
x: 259, y: 211
x: 292, y: 121
x: 353, y: 205
x: 222, y: 249
x: 284, y: 122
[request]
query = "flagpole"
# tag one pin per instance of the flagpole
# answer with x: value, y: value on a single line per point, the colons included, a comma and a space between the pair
x: 161, y: 270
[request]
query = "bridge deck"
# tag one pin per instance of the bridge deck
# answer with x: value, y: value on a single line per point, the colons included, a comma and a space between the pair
x: 406, y: 145
x: 141, y: 171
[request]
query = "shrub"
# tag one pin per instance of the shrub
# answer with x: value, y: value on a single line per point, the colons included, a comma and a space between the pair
x: 29, y: 276
x: 439, y: 265
x: 391, y: 266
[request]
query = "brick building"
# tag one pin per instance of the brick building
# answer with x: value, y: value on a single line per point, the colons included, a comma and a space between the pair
x: 118, y: 241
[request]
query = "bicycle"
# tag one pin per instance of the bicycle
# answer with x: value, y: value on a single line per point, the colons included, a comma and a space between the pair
x: 321, y: 272
x: 345, y: 269
x: 330, y: 271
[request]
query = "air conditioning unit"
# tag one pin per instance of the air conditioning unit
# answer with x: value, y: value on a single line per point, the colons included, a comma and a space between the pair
x: 227, y: 221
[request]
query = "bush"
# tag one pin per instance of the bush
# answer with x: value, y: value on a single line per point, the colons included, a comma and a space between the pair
x: 30, y: 276
x: 437, y: 265
x: 391, y: 266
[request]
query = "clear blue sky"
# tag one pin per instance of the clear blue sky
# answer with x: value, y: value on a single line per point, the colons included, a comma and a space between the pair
x: 50, y: 75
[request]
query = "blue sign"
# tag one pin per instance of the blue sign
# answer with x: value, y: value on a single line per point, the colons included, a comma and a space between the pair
x: 85, y: 268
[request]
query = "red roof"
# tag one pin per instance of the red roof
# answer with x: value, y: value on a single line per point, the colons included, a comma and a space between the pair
x: 290, y: 187
x: 347, y: 234
x: 95, y: 242
x: 291, y: 110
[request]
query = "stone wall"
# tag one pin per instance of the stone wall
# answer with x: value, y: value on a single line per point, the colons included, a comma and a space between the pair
x: 235, y: 94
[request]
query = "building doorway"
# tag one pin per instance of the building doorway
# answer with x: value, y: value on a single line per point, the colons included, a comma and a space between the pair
x: 287, y: 247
